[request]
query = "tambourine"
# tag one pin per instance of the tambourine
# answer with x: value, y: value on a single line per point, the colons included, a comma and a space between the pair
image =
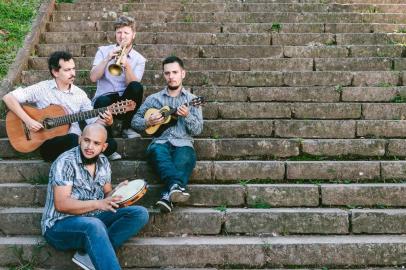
x: 131, y: 192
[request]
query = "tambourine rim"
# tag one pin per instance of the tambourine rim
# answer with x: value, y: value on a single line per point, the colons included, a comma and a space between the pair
x: 141, y: 191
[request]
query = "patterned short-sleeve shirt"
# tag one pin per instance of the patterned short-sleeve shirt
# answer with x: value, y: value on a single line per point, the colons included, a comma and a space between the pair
x: 68, y: 170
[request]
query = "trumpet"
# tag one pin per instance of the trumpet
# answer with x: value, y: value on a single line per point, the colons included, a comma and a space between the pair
x: 116, y: 69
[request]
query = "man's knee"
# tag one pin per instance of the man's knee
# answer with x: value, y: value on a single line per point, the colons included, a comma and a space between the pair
x: 102, y: 101
x: 135, y: 86
x: 138, y: 213
x: 94, y: 226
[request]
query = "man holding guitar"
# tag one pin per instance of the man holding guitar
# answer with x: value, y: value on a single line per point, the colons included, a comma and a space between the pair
x: 171, y: 152
x: 59, y: 91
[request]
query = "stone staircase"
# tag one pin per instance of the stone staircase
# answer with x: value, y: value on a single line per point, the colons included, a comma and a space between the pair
x: 300, y: 163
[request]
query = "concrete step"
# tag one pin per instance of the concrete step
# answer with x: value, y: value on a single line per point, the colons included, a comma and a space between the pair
x: 382, y: 93
x: 236, y: 51
x: 237, y: 221
x: 300, y: 94
x: 210, y: 7
x: 229, y: 221
x: 301, y: 171
x: 230, y: 195
x: 235, y: 17
x: 257, y: 148
x: 251, y: 78
x: 163, y: 38
x: 372, y: 195
x: 235, y: 7
x: 258, y: 64
x: 287, y: 39
x: 363, y: 195
x: 203, y: 27
x: 237, y: 251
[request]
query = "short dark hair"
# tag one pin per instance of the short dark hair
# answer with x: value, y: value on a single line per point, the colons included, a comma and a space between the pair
x: 53, y: 60
x: 173, y: 59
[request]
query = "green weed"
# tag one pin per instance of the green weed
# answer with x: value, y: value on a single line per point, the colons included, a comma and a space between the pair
x: 276, y: 27
x: 244, y: 183
x: 338, y: 88
x: 260, y: 203
x: 188, y: 19
x: 401, y: 30
x: 221, y: 208
x: 30, y: 262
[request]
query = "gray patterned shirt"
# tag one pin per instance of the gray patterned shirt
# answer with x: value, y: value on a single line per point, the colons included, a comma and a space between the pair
x: 186, y: 127
x: 68, y: 170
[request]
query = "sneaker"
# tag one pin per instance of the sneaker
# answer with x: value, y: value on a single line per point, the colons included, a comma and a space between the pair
x: 115, y: 156
x: 164, y: 204
x: 83, y: 260
x: 178, y: 194
x: 130, y: 133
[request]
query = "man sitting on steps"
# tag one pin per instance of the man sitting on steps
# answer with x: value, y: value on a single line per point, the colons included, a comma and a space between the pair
x: 123, y: 82
x: 59, y: 91
x: 80, y: 212
x: 171, y: 153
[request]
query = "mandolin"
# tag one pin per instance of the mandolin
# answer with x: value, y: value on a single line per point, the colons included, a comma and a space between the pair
x: 56, y: 122
x: 167, y: 113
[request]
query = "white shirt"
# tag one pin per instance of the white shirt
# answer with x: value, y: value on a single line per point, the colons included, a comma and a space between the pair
x: 45, y: 93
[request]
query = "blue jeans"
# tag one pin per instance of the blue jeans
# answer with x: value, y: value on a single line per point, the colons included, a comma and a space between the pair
x: 173, y: 164
x: 98, y: 236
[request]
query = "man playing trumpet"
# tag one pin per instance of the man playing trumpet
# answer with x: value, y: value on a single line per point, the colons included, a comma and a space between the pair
x: 118, y: 70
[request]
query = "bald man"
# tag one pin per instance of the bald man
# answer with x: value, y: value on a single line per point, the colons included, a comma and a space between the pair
x: 80, y: 213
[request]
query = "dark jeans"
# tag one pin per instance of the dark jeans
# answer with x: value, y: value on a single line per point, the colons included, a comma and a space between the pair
x: 52, y: 148
x: 100, y: 235
x: 174, y: 165
x: 134, y: 91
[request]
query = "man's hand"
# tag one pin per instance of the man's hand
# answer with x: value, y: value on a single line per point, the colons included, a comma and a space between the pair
x: 183, y: 111
x: 33, y: 125
x: 105, y: 118
x: 155, y: 119
x: 113, y: 53
x: 109, y: 204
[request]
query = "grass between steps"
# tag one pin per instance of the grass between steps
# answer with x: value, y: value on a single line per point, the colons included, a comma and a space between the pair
x: 16, y: 17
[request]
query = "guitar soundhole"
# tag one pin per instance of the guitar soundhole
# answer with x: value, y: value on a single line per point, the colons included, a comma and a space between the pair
x: 48, y: 123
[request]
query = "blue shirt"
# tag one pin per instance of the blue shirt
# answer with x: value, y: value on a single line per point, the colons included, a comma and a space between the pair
x: 68, y: 170
x: 109, y: 84
x: 186, y: 127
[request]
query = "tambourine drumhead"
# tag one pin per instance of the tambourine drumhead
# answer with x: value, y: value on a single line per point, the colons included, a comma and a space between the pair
x: 131, y: 192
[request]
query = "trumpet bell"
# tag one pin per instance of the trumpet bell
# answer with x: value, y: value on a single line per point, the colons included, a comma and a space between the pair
x: 115, y: 69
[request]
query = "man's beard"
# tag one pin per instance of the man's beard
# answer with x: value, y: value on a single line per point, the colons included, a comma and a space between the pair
x: 88, y: 161
x: 173, y: 87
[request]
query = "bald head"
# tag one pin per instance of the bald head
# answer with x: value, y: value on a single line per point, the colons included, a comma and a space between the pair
x: 95, y: 129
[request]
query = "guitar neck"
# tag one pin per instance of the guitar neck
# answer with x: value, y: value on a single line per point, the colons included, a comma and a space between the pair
x: 76, y: 117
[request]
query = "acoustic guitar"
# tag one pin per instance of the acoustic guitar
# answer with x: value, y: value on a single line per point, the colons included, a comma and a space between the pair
x: 167, y: 113
x: 56, y: 122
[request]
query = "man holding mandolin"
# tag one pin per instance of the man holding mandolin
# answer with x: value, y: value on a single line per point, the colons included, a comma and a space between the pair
x: 118, y: 70
x: 46, y: 94
x: 173, y: 116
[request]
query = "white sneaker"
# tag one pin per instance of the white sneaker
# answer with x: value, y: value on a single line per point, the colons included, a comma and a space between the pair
x: 83, y: 260
x: 115, y: 156
x: 130, y: 133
